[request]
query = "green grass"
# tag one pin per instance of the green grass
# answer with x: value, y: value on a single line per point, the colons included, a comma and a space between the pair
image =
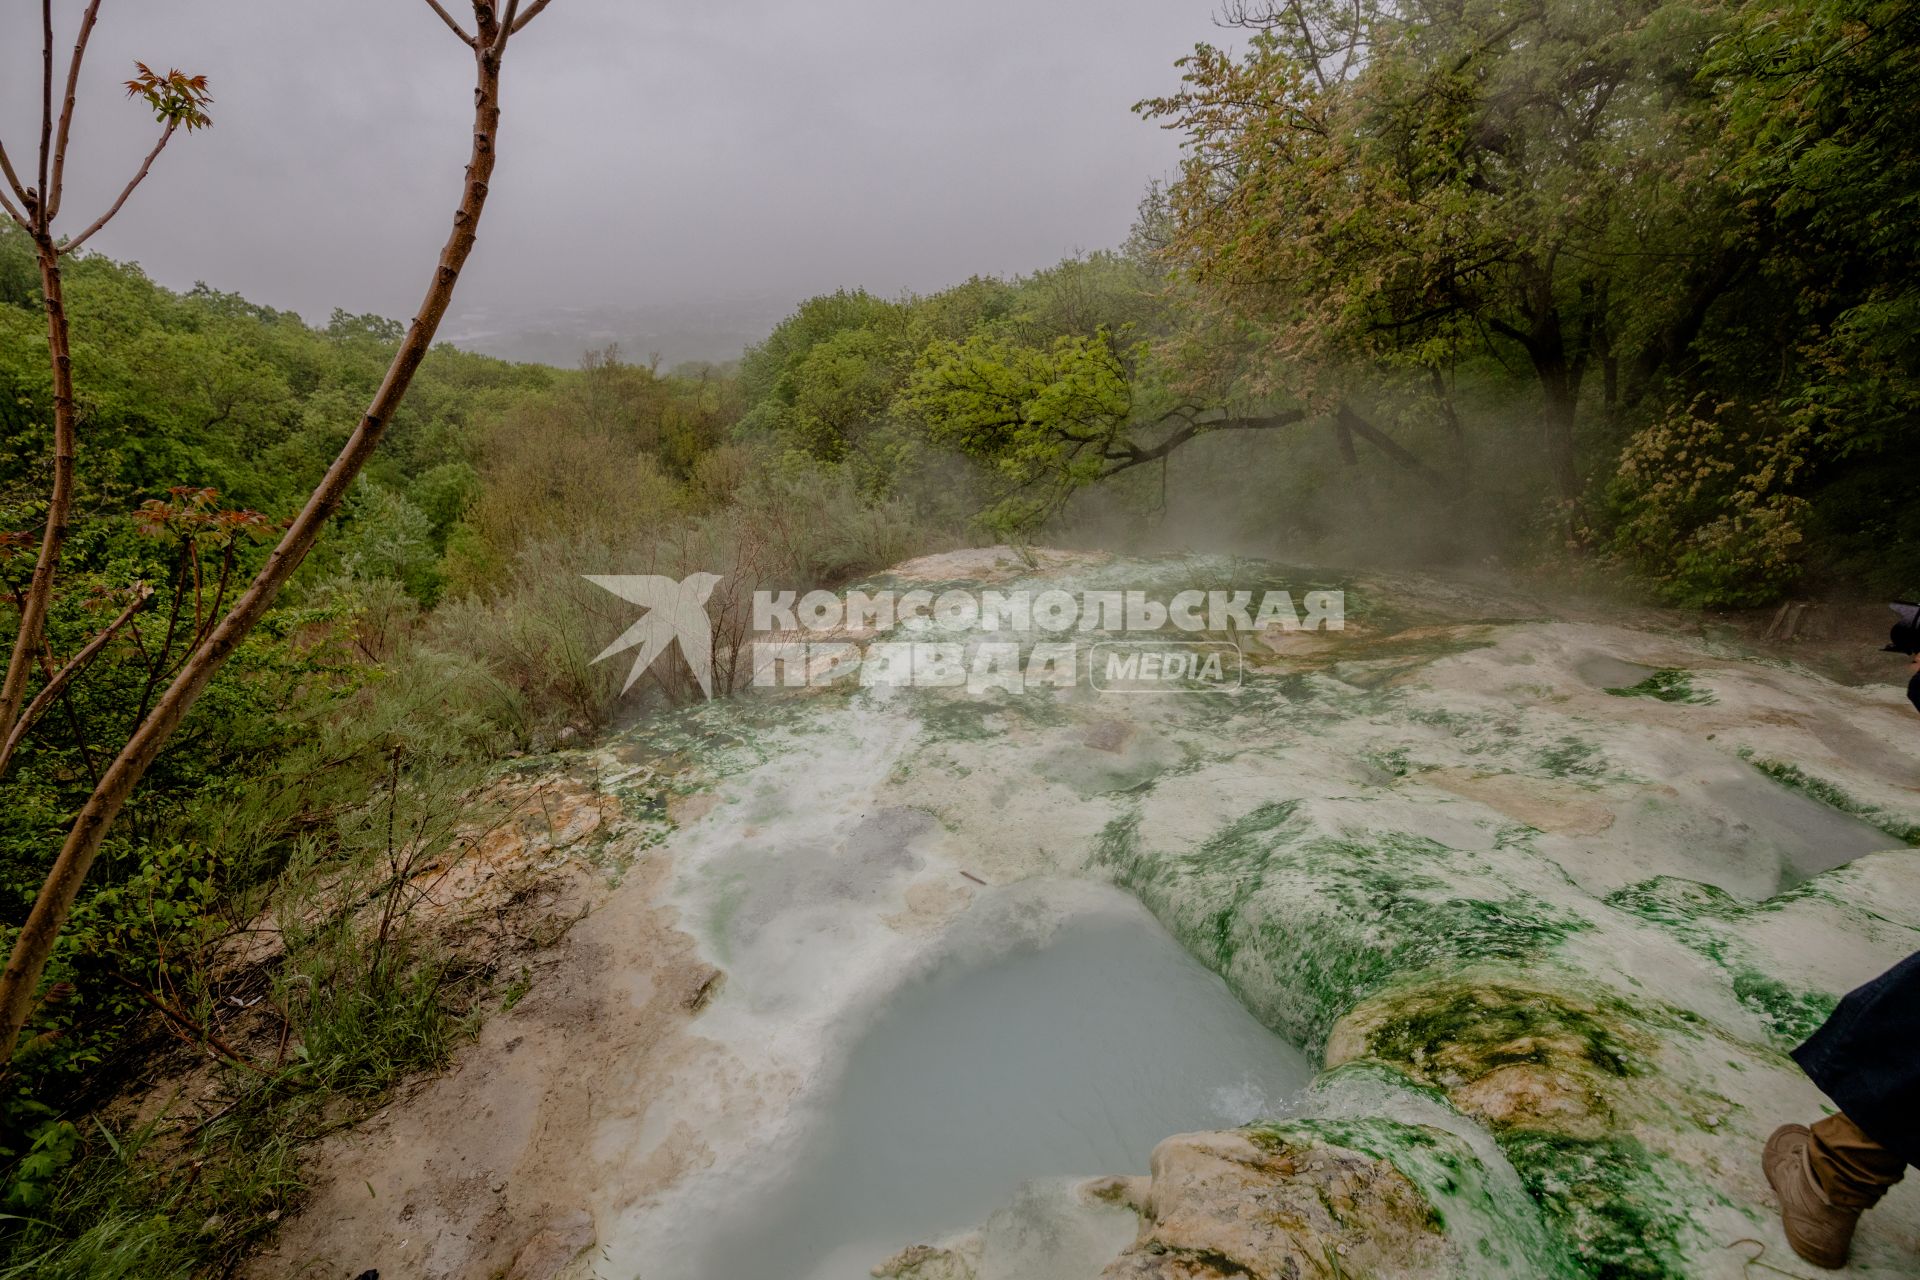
x: 146, y: 1205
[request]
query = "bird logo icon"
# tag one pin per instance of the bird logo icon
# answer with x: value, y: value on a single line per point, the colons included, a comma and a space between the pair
x: 675, y: 611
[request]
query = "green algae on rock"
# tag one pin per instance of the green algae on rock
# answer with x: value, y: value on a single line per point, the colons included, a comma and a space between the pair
x: 1833, y: 796
x: 1276, y: 1201
x: 1304, y: 923
x: 1385, y: 1181
x: 1550, y: 941
x: 1670, y: 684
x: 1504, y: 1053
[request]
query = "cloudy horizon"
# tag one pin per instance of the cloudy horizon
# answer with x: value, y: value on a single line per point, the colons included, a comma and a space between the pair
x: 648, y: 159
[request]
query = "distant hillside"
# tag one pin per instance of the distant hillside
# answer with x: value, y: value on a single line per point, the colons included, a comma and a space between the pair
x: 713, y: 331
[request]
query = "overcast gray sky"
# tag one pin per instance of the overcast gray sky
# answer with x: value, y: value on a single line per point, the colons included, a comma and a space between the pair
x: 654, y: 151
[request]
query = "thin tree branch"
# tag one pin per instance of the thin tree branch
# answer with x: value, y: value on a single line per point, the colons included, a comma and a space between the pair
x: 13, y: 180
x: 46, y: 109
x: 1343, y: 440
x: 506, y: 27
x: 1713, y: 280
x: 64, y: 676
x: 1135, y: 457
x: 80, y: 737
x: 58, y: 182
x: 1506, y: 330
x: 192, y: 1029
x: 165, y: 136
x: 533, y: 11
x: 451, y: 24
x: 73, y: 719
x: 6, y: 204
x: 34, y: 941
x: 29, y: 632
x: 1386, y: 444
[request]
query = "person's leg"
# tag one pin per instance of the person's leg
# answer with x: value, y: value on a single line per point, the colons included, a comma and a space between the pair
x: 1819, y: 1230
x: 1853, y: 1169
x: 1825, y: 1177
x: 1866, y: 1058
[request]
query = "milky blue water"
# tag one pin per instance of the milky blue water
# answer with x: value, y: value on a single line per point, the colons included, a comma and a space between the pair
x: 1070, y: 1057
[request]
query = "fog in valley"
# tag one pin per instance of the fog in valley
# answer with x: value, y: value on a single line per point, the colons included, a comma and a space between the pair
x: 673, y: 178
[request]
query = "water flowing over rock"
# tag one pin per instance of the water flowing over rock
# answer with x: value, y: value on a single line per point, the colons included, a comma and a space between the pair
x: 1547, y: 936
x: 1267, y: 1203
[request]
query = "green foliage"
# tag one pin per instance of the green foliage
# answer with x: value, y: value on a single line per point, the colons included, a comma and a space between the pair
x: 442, y: 624
x: 1048, y: 420
x: 841, y: 390
x: 1427, y: 188
x: 374, y: 782
x: 1690, y: 228
x: 1042, y: 381
x: 205, y: 421
x: 90, y: 1202
x: 51, y: 1148
x: 383, y: 536
x: 1703, y: 504
x: 176, y: 98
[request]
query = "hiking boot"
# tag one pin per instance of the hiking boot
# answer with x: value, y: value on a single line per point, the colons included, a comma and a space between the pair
x: 1819, y: 1231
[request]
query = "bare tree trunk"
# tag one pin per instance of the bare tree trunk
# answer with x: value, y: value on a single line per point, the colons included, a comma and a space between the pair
x: 39, y: 594
x: 35, y: 214
x: 1559, y: 375
x: 1456, y: 431
x: 1557, y: 425
x: 1353, y: 424
x: 51, y: 908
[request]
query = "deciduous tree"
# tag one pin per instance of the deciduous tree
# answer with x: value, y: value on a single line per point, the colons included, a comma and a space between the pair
x: 1399, y: 185
x: 179, y: 101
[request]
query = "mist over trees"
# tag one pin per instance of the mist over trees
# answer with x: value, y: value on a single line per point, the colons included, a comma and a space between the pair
x: 1581, y: 288
x: 1630, y: 284
x: 1678, y: 238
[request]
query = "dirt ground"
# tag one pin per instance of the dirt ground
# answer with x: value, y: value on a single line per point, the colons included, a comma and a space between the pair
x: 487, y: 1170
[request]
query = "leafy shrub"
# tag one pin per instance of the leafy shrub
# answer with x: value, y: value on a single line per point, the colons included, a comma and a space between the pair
x: 1704, y: 504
